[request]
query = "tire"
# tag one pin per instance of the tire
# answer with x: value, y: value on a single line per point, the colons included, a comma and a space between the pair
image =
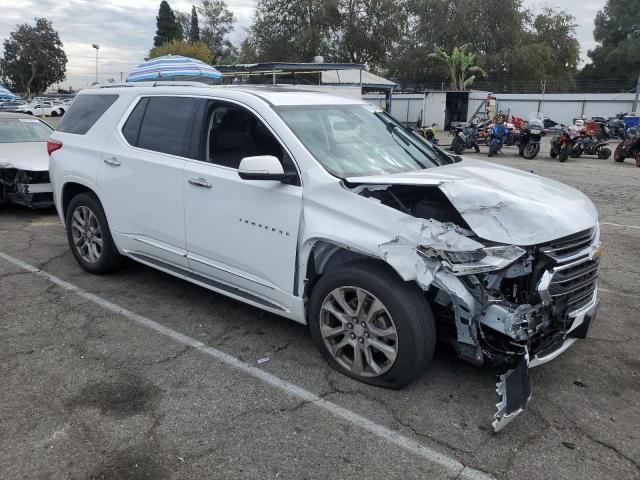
x: 604, y: 153
x: 457, y: 146
x: 564, y: 152
x: 618, y: 156
x: 576, y: 152
x: 87, y: 207
x: 531, y: 150
x: 28, y: 113
x: 406, y: 312
x: 553, y: 153
x: 54, y: 113
x: 476, y: 147
x: 493, y: 149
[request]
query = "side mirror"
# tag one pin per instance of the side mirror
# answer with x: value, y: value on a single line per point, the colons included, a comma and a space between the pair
x: 261, y: 167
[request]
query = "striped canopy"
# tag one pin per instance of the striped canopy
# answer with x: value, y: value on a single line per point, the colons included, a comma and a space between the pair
x: 6, y: 94
x: 175, y: 67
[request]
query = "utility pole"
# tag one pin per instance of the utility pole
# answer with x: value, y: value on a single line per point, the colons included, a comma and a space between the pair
x: 544, y: 88
x: 635, y: 99
x: 97, y: 47
x: 121, y: 76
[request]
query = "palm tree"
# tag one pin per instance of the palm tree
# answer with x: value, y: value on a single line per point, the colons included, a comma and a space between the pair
x: 461, y: 65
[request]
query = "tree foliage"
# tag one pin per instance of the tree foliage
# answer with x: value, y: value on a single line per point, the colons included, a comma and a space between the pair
x: 33, y: 57
x: 461, y: 64
x: 167, y: 26
x: 194, y: 27
x: 217, y: 23
x: 358, y: 31
x: 198, y: 50
x: 617, y: 57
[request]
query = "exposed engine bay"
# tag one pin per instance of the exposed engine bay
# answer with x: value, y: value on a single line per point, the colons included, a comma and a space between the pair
x: 512, y: 305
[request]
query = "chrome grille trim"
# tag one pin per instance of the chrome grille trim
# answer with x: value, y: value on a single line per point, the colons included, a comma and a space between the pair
x: 572, y: 247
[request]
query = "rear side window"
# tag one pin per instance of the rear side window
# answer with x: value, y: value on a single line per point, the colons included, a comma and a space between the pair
x: 84, y: 112
x: 166, y: 125
x: 131, y: 128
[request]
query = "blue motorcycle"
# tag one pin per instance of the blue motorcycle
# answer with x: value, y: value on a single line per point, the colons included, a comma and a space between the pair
x: 497, y: 137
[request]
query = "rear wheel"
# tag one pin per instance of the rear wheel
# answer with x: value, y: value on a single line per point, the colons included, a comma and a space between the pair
x: 89, y: 235
x: 493, y: 149
x: 371, y: 325
x: 553, y: 153
x: 618, y: 156
x: 531, y: 150
x: 604, y: 153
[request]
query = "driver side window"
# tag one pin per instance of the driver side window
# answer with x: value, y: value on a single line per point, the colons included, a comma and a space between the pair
x: 234, y: 133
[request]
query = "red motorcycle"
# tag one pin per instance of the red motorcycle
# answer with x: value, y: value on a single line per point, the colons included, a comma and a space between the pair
x: 562, y: 145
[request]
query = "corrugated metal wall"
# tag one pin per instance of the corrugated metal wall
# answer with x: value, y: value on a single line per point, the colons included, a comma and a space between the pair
x: 562, y: 108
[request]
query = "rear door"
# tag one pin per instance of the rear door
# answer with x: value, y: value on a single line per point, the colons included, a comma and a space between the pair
x: 241, y: 232
x: 141, y: 178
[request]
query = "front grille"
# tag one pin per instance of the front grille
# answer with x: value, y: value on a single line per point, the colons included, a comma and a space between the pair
x: 572, y: 285
x: 567, y: 247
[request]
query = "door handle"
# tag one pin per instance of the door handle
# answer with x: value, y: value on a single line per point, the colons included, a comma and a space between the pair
x: 199, y: 182
x: 112, y: 161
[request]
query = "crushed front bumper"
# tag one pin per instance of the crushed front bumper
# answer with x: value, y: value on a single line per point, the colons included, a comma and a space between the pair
x: 32, y: 195
x: 514, y: 386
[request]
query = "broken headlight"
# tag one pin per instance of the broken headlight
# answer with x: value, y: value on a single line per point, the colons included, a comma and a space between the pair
x: 477, y: 261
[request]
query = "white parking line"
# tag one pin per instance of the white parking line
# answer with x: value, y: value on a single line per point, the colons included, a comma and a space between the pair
x: 455, y: 467
x: 619, y: 225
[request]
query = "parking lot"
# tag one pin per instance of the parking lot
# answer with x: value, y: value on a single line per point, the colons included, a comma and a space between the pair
x: 142, y: 375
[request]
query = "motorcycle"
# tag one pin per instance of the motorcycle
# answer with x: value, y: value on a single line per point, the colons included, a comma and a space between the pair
x: 616, y: 125
x: 588, y: 145
x: 466, y: 136
x: 630, y: 147
x: 429, y: 133
x: 562, y: 144
x: 497, y: 137
x: 530, y: 135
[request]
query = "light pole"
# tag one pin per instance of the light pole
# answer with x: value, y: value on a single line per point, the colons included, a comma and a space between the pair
x: 97, y: 47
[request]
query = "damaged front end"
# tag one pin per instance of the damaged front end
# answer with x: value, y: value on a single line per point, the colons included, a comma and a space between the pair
x: 517, y: 306
x: 23, y: 187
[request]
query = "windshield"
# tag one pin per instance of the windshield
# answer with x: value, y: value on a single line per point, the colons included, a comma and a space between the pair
x: 359, y: 140
x: 18, y: 130
x: 536, y: 120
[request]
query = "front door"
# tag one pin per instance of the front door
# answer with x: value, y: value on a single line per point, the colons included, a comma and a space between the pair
x: 241, y: 232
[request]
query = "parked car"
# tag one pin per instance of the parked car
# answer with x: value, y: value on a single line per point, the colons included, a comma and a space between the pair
x: 47, y: 109
x: 12, y: 105
x: 325, y: 210
x: 24, y: 161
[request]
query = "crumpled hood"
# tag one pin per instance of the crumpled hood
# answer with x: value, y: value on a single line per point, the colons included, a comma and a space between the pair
x: 503, y: 204
x: 31, y: 156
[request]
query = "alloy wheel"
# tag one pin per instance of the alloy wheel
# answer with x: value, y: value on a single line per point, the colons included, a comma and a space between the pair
x: 87, y: 234
x: 358, y: 331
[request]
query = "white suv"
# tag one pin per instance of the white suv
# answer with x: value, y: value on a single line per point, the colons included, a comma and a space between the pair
x: 327, y: 211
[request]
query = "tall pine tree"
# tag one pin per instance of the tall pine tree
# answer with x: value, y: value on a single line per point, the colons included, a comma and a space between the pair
x: 168, y: 28
x: 194, y: 31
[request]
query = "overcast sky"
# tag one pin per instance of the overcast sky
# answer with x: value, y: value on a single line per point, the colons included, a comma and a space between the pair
x: 124, y: 29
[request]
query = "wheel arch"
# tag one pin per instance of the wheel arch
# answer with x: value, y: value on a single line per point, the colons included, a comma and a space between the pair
x: 70, y: 190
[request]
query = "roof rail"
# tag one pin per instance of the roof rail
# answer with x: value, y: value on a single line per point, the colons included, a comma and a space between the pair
x: 153, y: 83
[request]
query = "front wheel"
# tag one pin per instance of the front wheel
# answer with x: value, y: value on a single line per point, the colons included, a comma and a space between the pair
x: 89, y: 235
x: 618, y: 155
x: 565, y: 151
x: 371, y: 325
x: 531, y: 150
x: 553, y: 153
x: 458, y: 146
x: 493, y: 149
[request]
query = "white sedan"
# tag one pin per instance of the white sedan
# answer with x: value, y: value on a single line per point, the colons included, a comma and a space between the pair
x: 45, y: 108
x: 24, y: 161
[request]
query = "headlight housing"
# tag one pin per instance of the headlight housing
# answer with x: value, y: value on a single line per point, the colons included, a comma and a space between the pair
x: 483, y: 260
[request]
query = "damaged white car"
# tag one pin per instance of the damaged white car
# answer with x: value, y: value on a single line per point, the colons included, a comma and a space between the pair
x: 24, y: 161
x: 325, y: 210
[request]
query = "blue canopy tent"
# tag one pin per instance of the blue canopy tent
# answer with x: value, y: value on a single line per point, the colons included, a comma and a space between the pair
x: 6, y: 94
x: 175, y: 67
